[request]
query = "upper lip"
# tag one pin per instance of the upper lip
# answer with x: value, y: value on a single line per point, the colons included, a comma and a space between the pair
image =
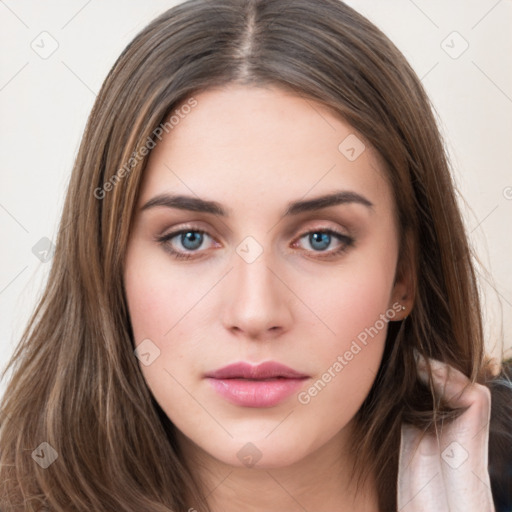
x: 267, y: 370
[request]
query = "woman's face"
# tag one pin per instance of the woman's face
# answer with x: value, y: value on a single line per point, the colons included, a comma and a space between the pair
x: 263, y: 271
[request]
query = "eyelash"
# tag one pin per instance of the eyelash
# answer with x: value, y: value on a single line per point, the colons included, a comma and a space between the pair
x: 346, y: 241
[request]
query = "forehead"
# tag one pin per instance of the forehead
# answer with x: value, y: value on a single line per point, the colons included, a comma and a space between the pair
x: 246, y: 144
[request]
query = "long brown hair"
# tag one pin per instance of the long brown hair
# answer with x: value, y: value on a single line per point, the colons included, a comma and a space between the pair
x: 76, y: 383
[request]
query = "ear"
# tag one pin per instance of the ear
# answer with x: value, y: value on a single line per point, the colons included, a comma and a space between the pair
x: 404, y: 285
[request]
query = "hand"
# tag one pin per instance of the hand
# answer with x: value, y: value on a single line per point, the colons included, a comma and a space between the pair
x: 448, y: 472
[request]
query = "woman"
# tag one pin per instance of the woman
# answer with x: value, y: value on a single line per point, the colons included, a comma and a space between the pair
x: 262, y: 294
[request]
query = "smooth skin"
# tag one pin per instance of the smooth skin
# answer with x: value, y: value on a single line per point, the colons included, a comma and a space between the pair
x: 254, y: 151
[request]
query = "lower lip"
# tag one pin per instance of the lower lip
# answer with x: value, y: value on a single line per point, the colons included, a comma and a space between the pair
x: 256, y: 393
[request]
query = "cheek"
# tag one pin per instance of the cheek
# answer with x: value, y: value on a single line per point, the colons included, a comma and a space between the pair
x: 348, y: 349
x: 350, y: 301
x: 158, y: 293
x: 164, y: 303
x: 348, y: 361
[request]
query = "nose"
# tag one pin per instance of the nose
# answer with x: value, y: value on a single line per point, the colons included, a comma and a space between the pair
x: 258, y: 304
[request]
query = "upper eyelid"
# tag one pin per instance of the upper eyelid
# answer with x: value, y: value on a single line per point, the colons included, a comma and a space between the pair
x: 302, y: 232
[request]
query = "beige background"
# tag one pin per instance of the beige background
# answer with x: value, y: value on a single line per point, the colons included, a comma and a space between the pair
x: 461, y: 50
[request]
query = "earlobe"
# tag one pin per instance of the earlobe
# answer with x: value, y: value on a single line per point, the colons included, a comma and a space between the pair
x: 397, y: 311
x: 402, y: 296
x: 400, y: 309
x: 405, y: 282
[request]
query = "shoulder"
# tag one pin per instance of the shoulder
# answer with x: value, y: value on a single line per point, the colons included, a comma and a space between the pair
x: 500, y: 438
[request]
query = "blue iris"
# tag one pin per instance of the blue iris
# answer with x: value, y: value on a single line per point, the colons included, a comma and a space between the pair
x: 323, y: 239
x: 195, y: 239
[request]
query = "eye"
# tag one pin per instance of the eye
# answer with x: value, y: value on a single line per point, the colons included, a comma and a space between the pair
x: 321, y: 239
x: 189, y: 239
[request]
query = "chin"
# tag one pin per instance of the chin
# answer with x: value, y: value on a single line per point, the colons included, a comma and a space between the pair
x: 260, y: 452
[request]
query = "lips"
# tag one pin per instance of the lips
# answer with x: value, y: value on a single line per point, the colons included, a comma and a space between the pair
x: 268, y: 370
x: 264, y: 385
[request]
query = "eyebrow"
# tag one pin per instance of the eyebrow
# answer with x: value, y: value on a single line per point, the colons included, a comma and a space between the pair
x: 197, y: 204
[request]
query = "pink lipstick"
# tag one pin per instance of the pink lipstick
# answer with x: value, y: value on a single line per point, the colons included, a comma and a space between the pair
x: 264, y: 385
